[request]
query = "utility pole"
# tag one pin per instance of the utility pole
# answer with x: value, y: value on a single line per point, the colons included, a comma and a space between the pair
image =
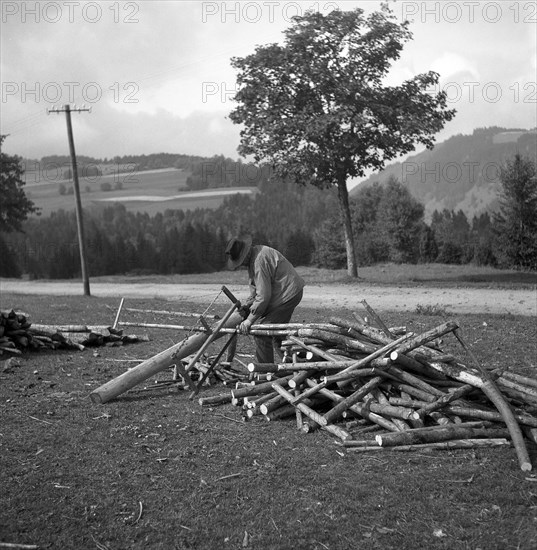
x: 78, y: 203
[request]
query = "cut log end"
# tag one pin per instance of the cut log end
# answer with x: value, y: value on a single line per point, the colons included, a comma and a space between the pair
x: 96, y: 398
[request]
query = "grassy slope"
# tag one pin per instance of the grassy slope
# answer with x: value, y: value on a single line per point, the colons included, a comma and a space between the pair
x: 74, y: 474
x: 167, y: 182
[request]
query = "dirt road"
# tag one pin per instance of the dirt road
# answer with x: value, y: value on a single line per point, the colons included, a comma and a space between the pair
x: 382, y: 298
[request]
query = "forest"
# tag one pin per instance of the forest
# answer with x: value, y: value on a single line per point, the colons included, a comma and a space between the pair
x: 301, y: 221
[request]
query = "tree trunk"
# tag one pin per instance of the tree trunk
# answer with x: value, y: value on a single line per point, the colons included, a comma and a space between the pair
x: 343, y: 198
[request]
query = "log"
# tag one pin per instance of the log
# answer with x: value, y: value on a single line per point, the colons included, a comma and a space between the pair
x: 185, y: 328
x: 344, y: 435
x: 440, y: 433
x: 417, y: 366
x: 257, y: 403
x: 178, y: 313
x: 414, y: 381
x: 155, y: 364
x: 215, y: 399
x: 298, y: 379
x: 282, y: 412
x: 308, y: 341
x: 360, y: 443
x: 379, y: 337
x: 291, y: 327
x: 309, y: 365
x: 494, y: 394
x: 298, y: 414
x: 347, y: 373
x: 526, y: 393
x: 338, y: 339
x: 286, y: 410
x: 374, y: 334
x: 309, y: 412
x: 421, y: 339
x: 262, y: 367
x: 314, y: 349
x: 441, y: 445
x: 523, y: 380
x: 334, y: 413
x: 531, y: 433
x: 444, y: 400
x: 376, y: 396
x: 272, y: 404
x: 377, y: 319
x: 258, y: 389
x: 490, y: 389
x: 406, y: 413
x: 358, y: 408
x: 51, y: 329
x: 299, y: 397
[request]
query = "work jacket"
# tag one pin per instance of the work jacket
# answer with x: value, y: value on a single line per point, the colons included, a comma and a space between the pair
x: 273, y: 281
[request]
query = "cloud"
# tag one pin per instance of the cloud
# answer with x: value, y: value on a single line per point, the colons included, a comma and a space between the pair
x: 451, y: 65
x: 158, y: 75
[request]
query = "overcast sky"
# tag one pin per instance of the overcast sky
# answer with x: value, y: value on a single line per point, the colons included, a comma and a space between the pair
x: 157, y: 74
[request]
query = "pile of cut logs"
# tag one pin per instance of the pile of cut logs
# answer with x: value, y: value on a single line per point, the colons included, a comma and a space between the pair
x: 376, y: 388
x: 18, y: 334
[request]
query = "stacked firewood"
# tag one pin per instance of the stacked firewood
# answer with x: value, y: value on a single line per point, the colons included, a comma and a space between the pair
x: 18, y: 334
x: 13, y: 331
x: 376, y: 388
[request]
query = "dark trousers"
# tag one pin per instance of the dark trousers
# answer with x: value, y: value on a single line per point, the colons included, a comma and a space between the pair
x: 266, y: 346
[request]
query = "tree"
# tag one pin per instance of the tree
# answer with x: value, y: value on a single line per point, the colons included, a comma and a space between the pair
x: 428, y: 249
x: 299, y: 248
x: 399, y: 219
x: 388, y: 223
x: 515, y: 224
x: 329, y: 248
x: 317, y: 108
x: 8, y: 265
x: 482, y: 240
x: 15, y: 206
x: 452, y: 234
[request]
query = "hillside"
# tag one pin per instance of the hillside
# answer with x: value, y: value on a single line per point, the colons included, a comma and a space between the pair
x: 144, y: 183
x: 150, y: 191
x: 461, y: 172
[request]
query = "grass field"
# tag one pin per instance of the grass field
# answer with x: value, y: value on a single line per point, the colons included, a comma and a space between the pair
x: 149, y: 191
x: 380, y: 274
x: 155, y: 470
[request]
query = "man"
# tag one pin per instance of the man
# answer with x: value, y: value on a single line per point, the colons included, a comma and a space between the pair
x: 275, y: 290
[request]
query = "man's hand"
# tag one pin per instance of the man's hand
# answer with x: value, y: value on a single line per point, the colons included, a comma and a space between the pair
x: 244, y: 311
x: 244, y: 327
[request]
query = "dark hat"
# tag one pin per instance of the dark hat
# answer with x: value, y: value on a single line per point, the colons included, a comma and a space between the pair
x: 237, y: 249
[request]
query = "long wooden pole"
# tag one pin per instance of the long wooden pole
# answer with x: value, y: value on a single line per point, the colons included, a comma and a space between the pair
x: 155, y: 364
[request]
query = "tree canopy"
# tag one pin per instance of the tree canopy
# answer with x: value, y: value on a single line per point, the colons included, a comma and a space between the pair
x: 317, y: 107
x: 516, y: 221
x: 15, y: 206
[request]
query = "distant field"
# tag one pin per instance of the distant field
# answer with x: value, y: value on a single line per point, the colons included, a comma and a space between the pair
x: 149, y: 191
x: 439, y: 275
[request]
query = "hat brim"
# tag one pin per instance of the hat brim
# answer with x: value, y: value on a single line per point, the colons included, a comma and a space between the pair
x: 234, y: 264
